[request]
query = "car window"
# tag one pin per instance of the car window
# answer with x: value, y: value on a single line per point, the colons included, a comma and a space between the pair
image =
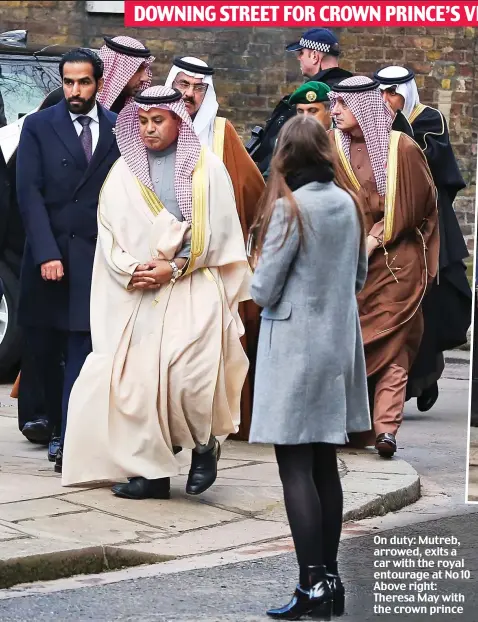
x: 24, y: 84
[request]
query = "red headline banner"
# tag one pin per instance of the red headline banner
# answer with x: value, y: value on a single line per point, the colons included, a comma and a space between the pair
x: 299, y: 14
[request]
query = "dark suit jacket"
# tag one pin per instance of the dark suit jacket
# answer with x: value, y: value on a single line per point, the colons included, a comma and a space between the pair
x: 58, y: 195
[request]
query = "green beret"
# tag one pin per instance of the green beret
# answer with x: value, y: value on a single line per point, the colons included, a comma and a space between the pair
x: 310, y: 93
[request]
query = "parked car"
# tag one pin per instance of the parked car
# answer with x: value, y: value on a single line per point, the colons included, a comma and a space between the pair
x: 27, y: 75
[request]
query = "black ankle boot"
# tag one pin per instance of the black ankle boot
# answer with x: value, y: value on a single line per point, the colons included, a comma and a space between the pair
x: 203, y: 472
x: 142, y: 488
x: 59, y: 460
x: 338, y: 593
x: 313, y: 599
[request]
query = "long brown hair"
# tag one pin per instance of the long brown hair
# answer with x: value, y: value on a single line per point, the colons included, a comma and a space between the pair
x: 303, y: 145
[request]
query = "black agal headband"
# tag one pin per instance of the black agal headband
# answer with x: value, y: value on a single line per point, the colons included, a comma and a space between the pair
x: 126, y: 50
x: 355, y: 88
x: 181, y: 64
x: 394, y: 81
x: 158, y: 99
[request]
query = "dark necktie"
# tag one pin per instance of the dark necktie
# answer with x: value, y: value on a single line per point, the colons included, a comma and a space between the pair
x: 86, y: 138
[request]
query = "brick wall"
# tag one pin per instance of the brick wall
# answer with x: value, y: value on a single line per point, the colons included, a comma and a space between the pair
x: 254, y: 72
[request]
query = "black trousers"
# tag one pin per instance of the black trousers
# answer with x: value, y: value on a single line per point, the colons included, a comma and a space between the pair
x: 314, y: 502
x: 58, y: 357
x: 31, y: 398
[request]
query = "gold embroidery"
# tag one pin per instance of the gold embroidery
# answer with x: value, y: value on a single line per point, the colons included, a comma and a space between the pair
x: 150, y: 197
x: 391, y: 191
x: 421, y: 108
x: 345, y: 162
x: 199, y: 210
x: 219, y: 134
x: 417, y: 111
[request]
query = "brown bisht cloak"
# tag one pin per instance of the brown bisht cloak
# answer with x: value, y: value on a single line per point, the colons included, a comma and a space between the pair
x: 248, y: 186
x: 400, y: 273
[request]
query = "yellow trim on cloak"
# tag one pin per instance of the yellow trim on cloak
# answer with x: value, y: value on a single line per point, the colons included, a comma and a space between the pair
x: 200, y: 188
x: 417, y: 111
x: 391, y: 190
x: 345, y: 162
x: 152, y: 201
x: 219, y: 135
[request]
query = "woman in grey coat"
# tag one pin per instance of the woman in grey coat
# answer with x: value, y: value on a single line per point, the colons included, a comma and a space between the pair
x: 311, y: 385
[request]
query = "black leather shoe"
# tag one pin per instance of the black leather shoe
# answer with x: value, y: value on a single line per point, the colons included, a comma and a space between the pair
x: 37, y: 431
x: 142, y: 488
x: 386, y: 445
x: 59, y: 460
x: 313, y: 600
x: 203, y: 472
x: 428, y: 398
x: 53, y: 447
x: 338, y: 593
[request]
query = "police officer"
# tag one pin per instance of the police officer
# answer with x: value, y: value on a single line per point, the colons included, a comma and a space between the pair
x: 318, y: 53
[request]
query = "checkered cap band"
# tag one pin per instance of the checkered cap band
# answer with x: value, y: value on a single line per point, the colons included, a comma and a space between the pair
x: 375, y: 121
x: 119, y: 69
x: 135, y: 153
x: 315, y: 45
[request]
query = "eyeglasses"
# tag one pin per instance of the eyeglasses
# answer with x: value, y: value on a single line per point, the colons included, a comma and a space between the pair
x: 182, y: 85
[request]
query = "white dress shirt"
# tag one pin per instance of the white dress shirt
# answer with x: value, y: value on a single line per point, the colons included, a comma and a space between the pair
x: 94, y: 125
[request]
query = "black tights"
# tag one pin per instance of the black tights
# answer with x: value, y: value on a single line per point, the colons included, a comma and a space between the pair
x: 313, y: 501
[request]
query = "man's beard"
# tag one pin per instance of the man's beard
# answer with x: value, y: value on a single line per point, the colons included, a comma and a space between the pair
x: 79, y: 105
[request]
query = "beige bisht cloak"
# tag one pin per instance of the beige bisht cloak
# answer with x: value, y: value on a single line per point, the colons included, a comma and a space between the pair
x: 167, y: 366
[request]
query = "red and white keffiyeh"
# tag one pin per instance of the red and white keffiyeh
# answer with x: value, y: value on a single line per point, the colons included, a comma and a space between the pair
x: 135, y: 153
x: 375, y: 121
x: 119, y: 69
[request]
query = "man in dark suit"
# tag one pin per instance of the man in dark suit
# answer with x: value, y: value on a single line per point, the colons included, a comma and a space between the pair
x: 64, y: 156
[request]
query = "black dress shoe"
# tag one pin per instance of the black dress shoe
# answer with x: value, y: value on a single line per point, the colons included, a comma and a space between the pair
x: 338, y: 594
x: 142, y: 488
x: 314, y: 600
x: 59, y: 460
x: 386, y: 445
x: 428, y: 398
x: 37, y: 431
x: 53, y: 447
x: 203, y: 472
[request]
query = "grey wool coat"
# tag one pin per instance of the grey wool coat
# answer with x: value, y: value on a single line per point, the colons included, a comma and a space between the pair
x: 311, y: 383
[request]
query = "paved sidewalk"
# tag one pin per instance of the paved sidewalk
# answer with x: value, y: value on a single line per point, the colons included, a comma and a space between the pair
x: 38, y: 517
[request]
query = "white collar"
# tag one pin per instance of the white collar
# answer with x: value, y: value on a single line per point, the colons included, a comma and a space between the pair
x: 93, y: 114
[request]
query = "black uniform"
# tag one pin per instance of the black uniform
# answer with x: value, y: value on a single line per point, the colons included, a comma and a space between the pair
x: 262, y: 154
x: 447, y: 306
